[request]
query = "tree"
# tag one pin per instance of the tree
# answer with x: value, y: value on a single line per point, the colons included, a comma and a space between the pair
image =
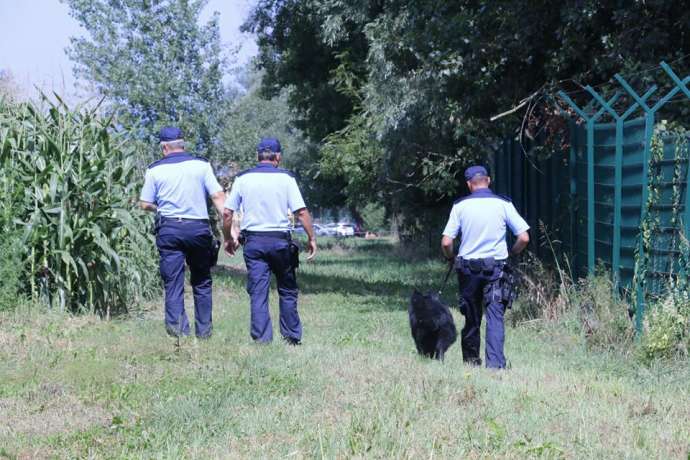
x: 421, y: 78
x: 252, y: 116
x: 9, y: 89
x: 154, y: 63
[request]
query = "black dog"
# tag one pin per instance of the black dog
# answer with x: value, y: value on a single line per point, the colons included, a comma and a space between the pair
x: 433, y: 328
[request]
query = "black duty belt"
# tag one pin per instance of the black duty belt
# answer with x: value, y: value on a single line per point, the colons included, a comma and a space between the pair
x: 284, y: 235
x: 485, y: 264
x: 182, y: 219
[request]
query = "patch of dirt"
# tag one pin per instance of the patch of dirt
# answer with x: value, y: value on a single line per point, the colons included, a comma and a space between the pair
x: 46, y: 411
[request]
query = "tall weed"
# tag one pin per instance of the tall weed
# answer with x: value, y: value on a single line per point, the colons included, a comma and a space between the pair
x: 590, y: 306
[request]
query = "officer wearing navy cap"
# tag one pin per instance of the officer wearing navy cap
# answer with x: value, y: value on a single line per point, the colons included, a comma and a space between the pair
x: 264, y: 195
x: 481, y: 219
x: 176, y: 187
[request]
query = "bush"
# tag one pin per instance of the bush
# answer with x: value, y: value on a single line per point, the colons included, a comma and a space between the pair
x: 667, y: 328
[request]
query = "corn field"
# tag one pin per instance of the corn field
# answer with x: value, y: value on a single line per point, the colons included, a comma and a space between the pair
x: 68, y: 189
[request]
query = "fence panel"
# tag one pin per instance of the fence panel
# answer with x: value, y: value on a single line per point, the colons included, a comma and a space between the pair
x: 620, y: 195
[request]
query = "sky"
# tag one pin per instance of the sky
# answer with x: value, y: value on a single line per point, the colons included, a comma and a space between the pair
x: 35, y: 33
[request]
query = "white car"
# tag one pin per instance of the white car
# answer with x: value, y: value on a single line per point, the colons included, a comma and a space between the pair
x: 324, y: 230
x: 344, y: 229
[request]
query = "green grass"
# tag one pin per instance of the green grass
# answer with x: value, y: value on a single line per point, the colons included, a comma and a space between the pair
x: 82, y: 387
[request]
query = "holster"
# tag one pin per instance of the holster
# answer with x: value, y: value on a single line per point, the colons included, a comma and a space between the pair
x: 157, y: 222
x: 294, y: 254
x: 508, y: 285
x: 215, y: 249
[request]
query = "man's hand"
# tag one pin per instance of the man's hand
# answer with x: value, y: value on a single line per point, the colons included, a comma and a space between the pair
x: 231, y: 246
x: 305, y: 218
x: 447, y: 248
x: 311, y: 248
x: 146, y: 206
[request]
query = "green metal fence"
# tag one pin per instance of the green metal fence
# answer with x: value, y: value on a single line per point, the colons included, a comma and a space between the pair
x: 619, y: 196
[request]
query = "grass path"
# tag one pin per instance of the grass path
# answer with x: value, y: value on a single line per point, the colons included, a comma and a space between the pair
x: 82, y: 387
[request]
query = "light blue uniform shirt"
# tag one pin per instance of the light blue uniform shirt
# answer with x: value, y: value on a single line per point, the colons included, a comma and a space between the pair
x: 481, y: 219
x: 179, y: 184
x: 264, y: 194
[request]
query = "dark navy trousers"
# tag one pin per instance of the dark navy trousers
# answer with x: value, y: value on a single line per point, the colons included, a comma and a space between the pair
x: 480, y: 290
x: 264, y: 255
x: 189, y: 241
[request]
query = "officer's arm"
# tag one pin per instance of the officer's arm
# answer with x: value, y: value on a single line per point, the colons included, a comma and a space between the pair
x: 218, y: 199
x: 229, y: 234
x: 147, y: 206
x: 521, y: 242
x: 447, y: 247
x: 305, y: 218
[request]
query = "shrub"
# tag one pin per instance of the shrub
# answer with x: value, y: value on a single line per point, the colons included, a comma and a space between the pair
x: 667, y: 328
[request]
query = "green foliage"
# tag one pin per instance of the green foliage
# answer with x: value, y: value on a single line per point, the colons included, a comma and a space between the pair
x: 154, y: 63
x: 10, y: 259
x: 589, y: 307
x: 667, y: 328
x: 402, y: 91
x: 374, y: 217
x: 249, y: 118
x: 69, y: 185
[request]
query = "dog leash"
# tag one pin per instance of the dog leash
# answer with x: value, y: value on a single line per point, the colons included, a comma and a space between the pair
x: 445, y: 280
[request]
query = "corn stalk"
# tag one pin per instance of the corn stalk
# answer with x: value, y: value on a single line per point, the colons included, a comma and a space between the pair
x: 69, y: 182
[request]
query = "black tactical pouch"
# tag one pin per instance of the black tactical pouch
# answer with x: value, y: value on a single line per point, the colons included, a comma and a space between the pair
x: 294, y: 254
x: 462, y: 306
x: 215, y: 249
x: 508, y: 283
x: 157, y: 222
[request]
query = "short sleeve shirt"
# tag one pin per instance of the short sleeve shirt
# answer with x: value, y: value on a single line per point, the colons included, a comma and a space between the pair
x: 264, y: 195
x: 179, y: 185
x: 481, y: 219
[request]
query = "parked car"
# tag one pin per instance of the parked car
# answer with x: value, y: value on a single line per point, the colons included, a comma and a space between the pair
x: 344, y: 229
x: 324, y: 230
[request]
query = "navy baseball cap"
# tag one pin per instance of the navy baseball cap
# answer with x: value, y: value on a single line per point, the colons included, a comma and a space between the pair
x: 169, y: 134
x: 475, y: 171
x: 269, y: 143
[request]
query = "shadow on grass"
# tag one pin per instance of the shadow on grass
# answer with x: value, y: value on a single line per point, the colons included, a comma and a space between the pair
x: 369, y: 255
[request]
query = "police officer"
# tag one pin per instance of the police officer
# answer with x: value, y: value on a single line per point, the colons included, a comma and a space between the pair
x: 176, y: 187
x: 264, y: 194
x: 481, y: 218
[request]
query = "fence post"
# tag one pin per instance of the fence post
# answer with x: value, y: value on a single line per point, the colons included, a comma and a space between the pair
x: 573, y: 185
